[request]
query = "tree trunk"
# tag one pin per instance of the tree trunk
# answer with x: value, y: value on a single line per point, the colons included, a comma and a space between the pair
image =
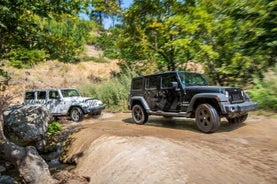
x: 32, y: 168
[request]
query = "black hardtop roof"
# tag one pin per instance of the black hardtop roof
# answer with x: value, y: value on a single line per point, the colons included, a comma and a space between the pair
x: 162, y: 73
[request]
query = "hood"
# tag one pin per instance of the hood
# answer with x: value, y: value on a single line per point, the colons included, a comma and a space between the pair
x: 211, y: 89
x: 78, y: 99
x: 235, y: 95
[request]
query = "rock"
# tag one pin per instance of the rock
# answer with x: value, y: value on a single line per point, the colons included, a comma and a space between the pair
x: 6, y: 180
x: 26, y: 125
x: 2, y: 169
x: 70, y: 178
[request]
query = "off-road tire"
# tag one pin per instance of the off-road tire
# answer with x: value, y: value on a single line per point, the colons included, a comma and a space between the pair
x: 139, y: 115
x: 76, y: 114
x: 207, y: 118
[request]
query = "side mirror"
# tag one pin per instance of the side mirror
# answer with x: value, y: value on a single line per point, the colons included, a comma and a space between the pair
x: 174, y: 85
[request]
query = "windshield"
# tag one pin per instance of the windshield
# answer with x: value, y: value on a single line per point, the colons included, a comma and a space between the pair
x: 192, y: 79
x: 70, y: 92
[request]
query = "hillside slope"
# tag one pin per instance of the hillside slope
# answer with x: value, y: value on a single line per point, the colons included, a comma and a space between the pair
x: 54, y: 74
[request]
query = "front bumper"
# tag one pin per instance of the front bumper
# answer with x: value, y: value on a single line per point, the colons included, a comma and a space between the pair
x: 94, y: 110
x: 241, y: 108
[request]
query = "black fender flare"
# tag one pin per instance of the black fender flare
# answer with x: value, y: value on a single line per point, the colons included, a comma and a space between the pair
x: 218, y: 97
x: 141, y: 100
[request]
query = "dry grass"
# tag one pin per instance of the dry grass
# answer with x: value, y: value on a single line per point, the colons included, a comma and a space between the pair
x: 54, y: 74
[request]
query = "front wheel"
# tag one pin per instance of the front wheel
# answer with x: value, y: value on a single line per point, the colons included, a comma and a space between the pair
x: 139, y: 115
x: 207, y: 118
x: 76, y: 114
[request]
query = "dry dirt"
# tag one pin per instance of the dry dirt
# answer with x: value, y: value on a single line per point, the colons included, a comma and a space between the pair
x: 113, y: 150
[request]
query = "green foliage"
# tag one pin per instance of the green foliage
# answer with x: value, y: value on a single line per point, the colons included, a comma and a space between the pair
x: 24, y: 58
x: 114, y: 93
x: 54, y: 127
x: 107, y: 41
x: 100, y: 9
x: 4, y: 77
x: 265, y: 90
x: 232, y: 39
x: 42, y: 29
x: 65, y: 39
x: 99, y: 59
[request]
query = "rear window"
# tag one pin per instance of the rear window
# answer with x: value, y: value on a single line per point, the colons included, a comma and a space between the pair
x: 41, y: 95
x: 137, y: 84
x: 30, y: 95
x: 152, y: 82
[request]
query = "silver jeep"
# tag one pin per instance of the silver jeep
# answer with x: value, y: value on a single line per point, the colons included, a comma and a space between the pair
x: 64, y: 102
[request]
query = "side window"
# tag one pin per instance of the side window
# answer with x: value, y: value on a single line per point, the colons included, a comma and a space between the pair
x: 53, y: 95
x: 152, y: 82
x: 30, y: 95
x: 137, y: 84
x: 167, y: 79
x: 41, y: 95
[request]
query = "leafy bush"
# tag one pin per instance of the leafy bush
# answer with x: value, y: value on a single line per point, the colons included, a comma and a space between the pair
x: 265, y: 90
x: 54, y: 127
x: 65, y: 39
x: 25, y: 58
x: 114, y: 92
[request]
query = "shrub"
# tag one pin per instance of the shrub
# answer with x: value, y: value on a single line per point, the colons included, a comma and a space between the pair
x: 25, y: 58
x: 114, y: 92
x: 265, y: 90
x: 54, y: 127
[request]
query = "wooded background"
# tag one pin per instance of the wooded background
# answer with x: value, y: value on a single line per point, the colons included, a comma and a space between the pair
x: 234, y: 40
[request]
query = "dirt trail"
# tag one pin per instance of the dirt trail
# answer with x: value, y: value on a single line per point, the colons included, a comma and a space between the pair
x: 114, y: 150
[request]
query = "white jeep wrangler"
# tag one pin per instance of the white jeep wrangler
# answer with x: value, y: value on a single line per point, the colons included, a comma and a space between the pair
x: 64, y: 102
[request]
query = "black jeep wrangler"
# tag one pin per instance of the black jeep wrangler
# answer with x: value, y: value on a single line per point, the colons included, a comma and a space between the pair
x: 187, y: 94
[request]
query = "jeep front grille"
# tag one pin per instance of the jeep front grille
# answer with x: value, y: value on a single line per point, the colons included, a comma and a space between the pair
x: 236, y: 97
x: 92, y: 102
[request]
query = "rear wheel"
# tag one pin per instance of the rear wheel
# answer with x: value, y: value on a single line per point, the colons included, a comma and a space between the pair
x: 207, y: 118
x: 139, y: 114
x: 76, y: 114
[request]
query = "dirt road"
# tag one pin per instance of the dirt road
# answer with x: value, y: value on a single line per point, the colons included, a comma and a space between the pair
x: 113, y: 150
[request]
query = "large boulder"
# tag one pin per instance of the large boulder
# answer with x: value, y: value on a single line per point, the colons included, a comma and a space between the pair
x: 26, y: 125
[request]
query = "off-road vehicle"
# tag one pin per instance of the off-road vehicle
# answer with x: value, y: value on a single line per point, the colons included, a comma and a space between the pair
x: 187, y: 94
x: 64, y: 102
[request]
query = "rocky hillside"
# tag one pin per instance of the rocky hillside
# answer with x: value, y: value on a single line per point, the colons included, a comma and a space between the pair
x: 52, y: 74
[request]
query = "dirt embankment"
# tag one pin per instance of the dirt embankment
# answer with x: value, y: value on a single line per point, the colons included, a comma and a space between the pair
x: 114, y: 150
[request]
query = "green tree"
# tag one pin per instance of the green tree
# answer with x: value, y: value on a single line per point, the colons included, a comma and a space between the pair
x: 232, y: 39
x: 231, y: 51
x: 101, y: 9
x: 21, y: 29
x: 65, y: 39
x: 147, y: 22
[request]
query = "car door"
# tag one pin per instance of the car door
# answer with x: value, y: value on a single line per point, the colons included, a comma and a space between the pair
x: 151, y: 93
x: 41, y: 97
x: 169, y: 93
x: 29, y: 97
x: 54, y: 102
